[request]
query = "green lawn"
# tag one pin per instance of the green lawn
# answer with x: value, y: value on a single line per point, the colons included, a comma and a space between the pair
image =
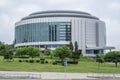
x: 82, y: 67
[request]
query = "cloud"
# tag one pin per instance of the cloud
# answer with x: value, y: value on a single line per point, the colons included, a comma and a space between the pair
x: 4, y: 2
x: 13, y: 10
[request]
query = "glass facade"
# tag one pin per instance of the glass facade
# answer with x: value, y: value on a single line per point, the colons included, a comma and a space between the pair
x: 52, y: 29
x: 94, y: 51
x: 44, y: 31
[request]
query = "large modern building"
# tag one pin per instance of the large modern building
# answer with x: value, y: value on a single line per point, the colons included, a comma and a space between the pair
x: 52, y: 29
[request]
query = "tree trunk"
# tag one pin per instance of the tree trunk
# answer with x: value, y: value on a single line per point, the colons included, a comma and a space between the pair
x: 98, y: 66
x: 116, y: 64
x: 32, y: 57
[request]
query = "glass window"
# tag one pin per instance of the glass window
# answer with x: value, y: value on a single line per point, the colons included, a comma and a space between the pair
x: 44, y: 31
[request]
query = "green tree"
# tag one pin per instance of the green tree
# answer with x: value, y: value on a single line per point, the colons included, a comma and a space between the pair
x: 62, y: 52
x: 22, y: 52
x: 28, y: 51
x: 47, y: 51
x: 2, y: 49
x: 33, y: 52
x: 6, y: 51
x: 36, y: 52
x: 76, y: 53
x: 76, y: 46
x: 113, y: 56
x: 99, y: 59
x: 8, y: 55
x: 71, y: 46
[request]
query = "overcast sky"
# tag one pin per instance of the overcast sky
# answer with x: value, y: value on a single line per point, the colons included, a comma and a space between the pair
x: 108, y: 11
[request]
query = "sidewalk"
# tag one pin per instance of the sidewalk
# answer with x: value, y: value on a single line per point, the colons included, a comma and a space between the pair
x: 54, y: 76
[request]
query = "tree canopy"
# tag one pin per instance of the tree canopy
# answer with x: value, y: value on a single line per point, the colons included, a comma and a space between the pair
x: 71, y: 46
x: 22, y: 52
x: 76, y: 46
x: 6, y: 51
x: 30, y: 51
x: 113, y: 56
x: 100, y: 58
x: 76, y: 53
x: 62, y: 52
x: 47, y: 51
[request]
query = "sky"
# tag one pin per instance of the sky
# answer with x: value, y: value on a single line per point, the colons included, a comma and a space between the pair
x: 108, y: 11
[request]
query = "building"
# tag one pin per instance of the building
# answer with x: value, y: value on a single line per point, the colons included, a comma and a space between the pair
x: 52, y: 29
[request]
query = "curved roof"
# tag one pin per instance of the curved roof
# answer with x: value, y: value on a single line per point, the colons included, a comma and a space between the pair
x: 60, y: 13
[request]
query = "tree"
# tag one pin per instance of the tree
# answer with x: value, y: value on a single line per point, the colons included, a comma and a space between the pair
x: 62, y: 52
x: 76, y: 53
x: 47, y: 51
x: 99, y: 59
x: 22, y: 52
x: 2, y: 48
x: 76, y: 46
x: 36, y: 52
x: 28, y: 51
x: 33, y: 52
x: 113, y: 56
x: 8, y: 55
x: 6, y: 51
x: 71, y: 46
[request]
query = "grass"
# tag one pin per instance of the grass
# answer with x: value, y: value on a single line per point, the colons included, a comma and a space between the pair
x: 86, y: 66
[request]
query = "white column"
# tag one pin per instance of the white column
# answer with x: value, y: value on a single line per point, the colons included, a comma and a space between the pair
x: 83, y: 36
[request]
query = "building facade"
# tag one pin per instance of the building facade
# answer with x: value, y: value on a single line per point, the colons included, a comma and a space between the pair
x: 53, y: 29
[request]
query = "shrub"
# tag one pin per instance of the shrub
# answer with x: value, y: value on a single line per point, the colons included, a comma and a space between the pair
x: 58, y: 61
x: 24, y: 57
x: 31, y: 61
x: 26, y: 60
x: 72, y: 62
x: 20, y: 60
x: 37, y: 61
x: 46, y: 61
x: 54, y: 63
x: 42, y: 61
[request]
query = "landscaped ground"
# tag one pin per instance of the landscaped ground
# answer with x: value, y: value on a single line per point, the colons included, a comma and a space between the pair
x: 84, y: 66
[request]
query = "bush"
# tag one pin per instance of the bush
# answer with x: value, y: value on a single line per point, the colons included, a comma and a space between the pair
x: 20, y: 60
x: 31, y: 61
x: 24, y: 57
x: 58, y: 61
x: 54, y: 63
x: 42, y: 61
x: 26, y: 60
x: 46, y: 61
x: 37, y: 61
x: 72, y: 62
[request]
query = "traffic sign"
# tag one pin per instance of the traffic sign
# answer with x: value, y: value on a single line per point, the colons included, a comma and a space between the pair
x: 65, y: 63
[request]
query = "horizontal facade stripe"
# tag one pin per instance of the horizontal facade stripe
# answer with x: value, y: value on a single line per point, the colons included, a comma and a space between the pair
x: 42, y: 43
x: 48, y: 19
x: 60, y: 11
x: 44, y: 16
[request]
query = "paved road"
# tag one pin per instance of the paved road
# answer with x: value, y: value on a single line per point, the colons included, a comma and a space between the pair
x: 5, y: 75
